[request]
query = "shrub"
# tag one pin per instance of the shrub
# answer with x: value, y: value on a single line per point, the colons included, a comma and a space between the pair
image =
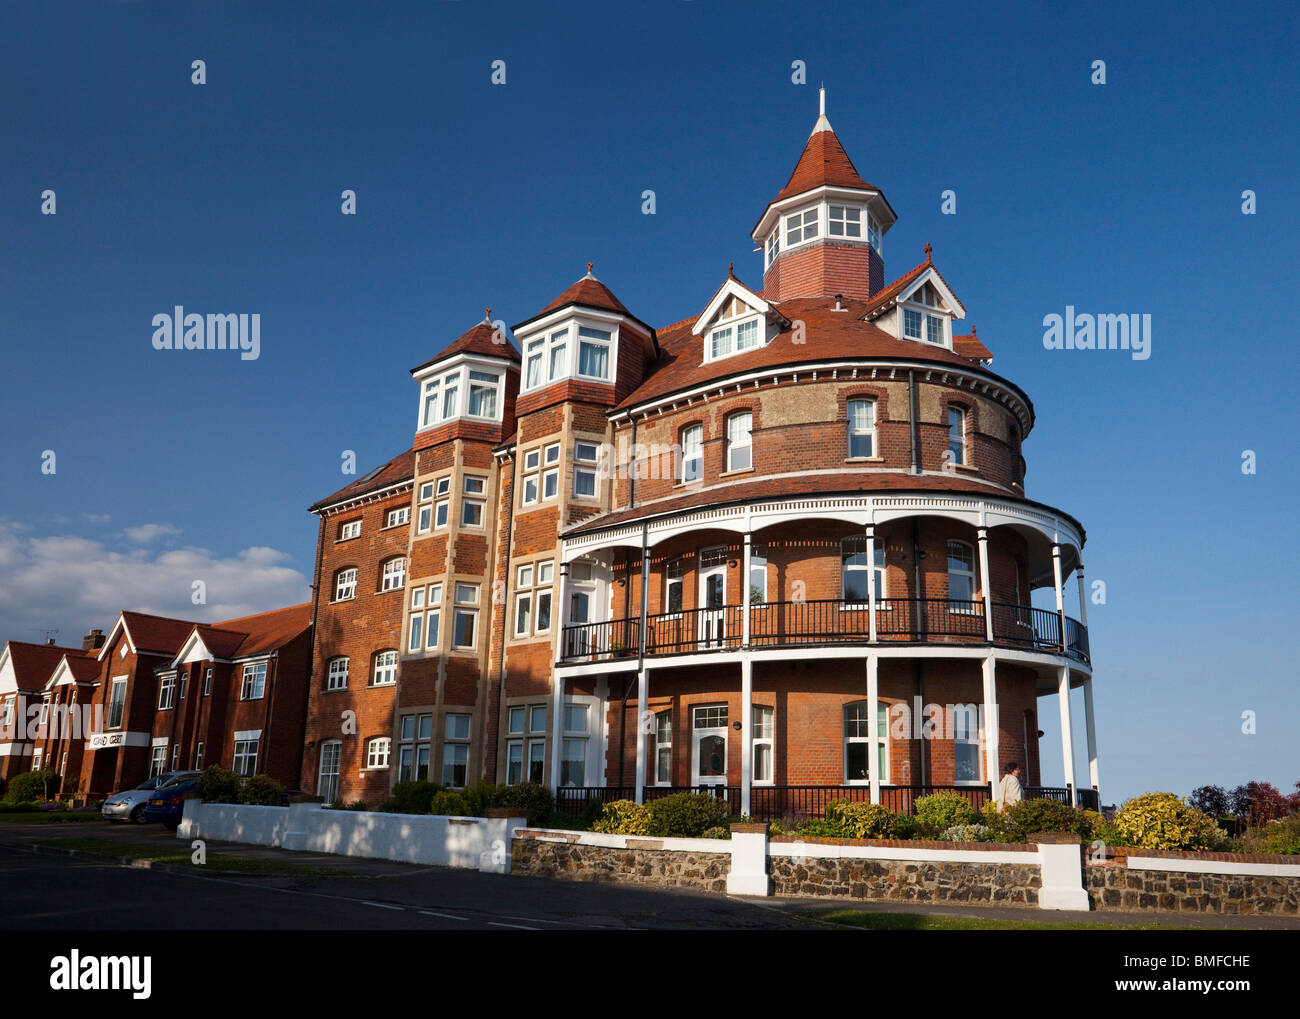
x: 411, y: 797
x: 942, y: 811
x: 905, y: 827
x: 357, y: 805
x: 1165, y: 821
x: 1210, y: 799
x: 716, y: 832
x: 1259, y: 802
x: 687, y: 815
x: 29, y: 786
x: 623, y: 817
x: 966, y: 833
x: 862, y: 820
x: 1281, y: 836
x: 262, y: 791
x: 532, y: 800
x: 1022, y: 819
x: 820, y: 828
x: 217, y: 785
x: 450, y: 802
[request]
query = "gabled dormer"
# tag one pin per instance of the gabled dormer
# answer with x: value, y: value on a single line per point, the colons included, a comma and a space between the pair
x: 470, y: 383
x: 823, y: 234
x: 919, y: 307
x: 576, y: 346
x: 736, y: 321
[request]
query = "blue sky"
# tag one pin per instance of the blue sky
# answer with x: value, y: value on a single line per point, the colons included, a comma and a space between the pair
x: 1117, y: 198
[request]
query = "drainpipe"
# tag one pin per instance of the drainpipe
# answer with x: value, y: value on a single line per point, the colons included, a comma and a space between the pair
x: 914, y: 402
x: 631, y: 473
x: 916, y: 631
x: 505, y: 629
x: 268, y: 712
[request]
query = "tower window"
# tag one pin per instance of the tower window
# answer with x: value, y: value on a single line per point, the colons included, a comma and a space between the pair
x: 845, y: 221
x: 801, y: 226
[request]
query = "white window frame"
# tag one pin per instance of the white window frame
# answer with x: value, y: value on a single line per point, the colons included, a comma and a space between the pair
x: 336, y: 673
x: 585, y: 467
x: 328, y: 782
x: 465, y: 605
x: 688, y: 457
x: 805, y: 224
x: 252, y: 678
x: 166, y: 694
x: 392, y: 575
x: 969, y: 574
x: 601, y: 339
x: 882, y: 715
x: 245, y: 754
x: 961, y: 456
x: 663, y: 747
x: 845, y: 221
x: 118, y: 683
x: 460, y: 383
x: 853, y: 546
x: 553, y: 353
x: 379, y: 751
x: 383, y: 671
x: 348, y: 585
x: 854, y: 430
x: 745, y: 445
x: 458, y: 744
x: 397, y: 517
x: 769, y: 740
x: 349, y: 529
x: 410, y: 748
x: 424, y: 631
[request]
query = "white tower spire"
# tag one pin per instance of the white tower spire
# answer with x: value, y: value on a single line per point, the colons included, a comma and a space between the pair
x: 822, y: 123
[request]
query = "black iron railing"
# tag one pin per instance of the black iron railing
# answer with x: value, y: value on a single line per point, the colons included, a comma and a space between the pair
x: 828, y: 622
x: 1061, y: 794
x: 773, y: 803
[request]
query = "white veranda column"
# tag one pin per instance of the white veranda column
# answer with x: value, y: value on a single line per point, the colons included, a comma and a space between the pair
x: 557, y: 730
x: 984, y: 584
x: 744, y: 591
x: 873, y: 725
x: 746, y: 731
x: 643, y: 723
x: 1060, y: 593
x: 1067, y: 739
x: 871, y: 587
x: 993, y: 766
x: 1091, y: 724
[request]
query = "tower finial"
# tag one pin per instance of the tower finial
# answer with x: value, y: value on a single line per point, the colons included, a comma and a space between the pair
x: 731, y: 268
x: 487, y: 314
x: 589, y: 265
x: 821, y: 110
x: 927, y: 251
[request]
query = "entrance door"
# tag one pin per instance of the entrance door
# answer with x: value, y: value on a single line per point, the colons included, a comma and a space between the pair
x: 709, y: 745
x: 713, y: 597
x: 579, y: 614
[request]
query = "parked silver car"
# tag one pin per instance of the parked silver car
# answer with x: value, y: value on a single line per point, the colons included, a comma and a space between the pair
x: 129, y: 804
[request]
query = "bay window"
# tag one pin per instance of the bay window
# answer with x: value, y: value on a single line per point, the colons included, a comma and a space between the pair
x: 440, y: 399
x: 455, y: 750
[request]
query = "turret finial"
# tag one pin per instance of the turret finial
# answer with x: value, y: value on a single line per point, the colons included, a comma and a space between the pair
x: 928, y: 249
x: 589, y: 265
x: 821, y: 110
x: 731, y: 268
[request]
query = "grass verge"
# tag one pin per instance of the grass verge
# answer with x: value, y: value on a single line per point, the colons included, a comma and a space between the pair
x: 49, y: 816
x: 182, y: 857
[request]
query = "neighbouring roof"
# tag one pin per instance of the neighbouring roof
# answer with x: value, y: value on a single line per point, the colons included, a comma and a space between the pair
x: 970, y: 347
x: 587, y: 292
x: 157, y: 634
x: 480, y: 340
x: 823, y: 163
x: 399, y: 468
x: 256, y: 634
x: 33, y: 663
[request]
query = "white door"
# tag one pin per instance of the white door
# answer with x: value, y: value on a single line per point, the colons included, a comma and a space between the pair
x: 709, y: 745
x: 713, y: 597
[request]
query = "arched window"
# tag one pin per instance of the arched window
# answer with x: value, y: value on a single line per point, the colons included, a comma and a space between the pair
x: 862, y: 428
x: 327, y: 778
x: 961, y: 577
x: 740, y: 450
x: 957, y: 435
x: 692, y: 453
x: 378, y: 751
x: 345, y: 584
x: 393, y: 576
x: 857, y: 742
x: 385, y: 671
x: 336, y: 677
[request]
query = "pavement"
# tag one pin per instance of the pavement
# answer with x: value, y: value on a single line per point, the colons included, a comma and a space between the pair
x: 54, y: 888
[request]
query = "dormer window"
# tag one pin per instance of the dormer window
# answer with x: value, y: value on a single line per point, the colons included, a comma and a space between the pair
x: 441, y: 396
x: 924, y: 318
x: 572, y: 351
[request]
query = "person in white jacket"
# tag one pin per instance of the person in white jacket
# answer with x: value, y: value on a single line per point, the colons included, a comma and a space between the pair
x: 1009, y: 789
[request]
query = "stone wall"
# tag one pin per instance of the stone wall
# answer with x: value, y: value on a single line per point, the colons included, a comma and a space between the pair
x: 643, y: 861
x: 1115, y: 884
x: 908, y: 880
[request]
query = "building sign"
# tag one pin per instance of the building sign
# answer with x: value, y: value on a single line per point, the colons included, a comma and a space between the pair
x: 112, y: 740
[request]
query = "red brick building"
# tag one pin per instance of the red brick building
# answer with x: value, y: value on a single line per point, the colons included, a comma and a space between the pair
x: 25, y: 670
x: 160, y: 694
x: 781, y: 546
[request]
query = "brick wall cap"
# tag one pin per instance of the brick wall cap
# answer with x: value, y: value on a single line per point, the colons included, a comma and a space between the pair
x: 999, y: 847
x: 751, y: 827
x: 505, y: 812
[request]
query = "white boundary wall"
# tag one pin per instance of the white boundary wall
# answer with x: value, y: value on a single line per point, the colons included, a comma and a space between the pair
x: 477, y: 843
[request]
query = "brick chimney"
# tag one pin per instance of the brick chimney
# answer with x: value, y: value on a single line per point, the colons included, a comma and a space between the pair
x: 92, y: 641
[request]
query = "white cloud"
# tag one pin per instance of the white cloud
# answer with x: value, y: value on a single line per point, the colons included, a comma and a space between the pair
x: 146, y: 533
x: 77, y: 583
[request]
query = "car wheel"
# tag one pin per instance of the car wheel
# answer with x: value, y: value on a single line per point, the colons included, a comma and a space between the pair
x: 137, y: 815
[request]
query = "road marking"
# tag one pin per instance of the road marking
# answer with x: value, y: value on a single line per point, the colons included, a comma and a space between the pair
x: 381, y: 905
x: 515, y: 926
x: 445, y: 916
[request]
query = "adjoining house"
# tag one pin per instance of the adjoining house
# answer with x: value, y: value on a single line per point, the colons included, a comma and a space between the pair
x: 158, y: 694
x: 781, y: 547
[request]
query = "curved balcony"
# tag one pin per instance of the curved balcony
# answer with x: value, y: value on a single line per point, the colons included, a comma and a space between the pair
x: 835, y: 622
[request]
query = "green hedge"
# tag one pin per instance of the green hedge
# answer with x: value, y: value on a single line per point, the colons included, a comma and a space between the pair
x: 32, y: 786
x: 217, y: 785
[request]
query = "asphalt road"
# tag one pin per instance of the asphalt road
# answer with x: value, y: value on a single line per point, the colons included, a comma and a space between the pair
x: 57, y: 892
